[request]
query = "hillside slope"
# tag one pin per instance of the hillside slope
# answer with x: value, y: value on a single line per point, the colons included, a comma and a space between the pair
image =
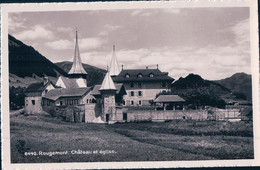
x: 239, y: 83
x: 199, y: 92
x: 25, y: 61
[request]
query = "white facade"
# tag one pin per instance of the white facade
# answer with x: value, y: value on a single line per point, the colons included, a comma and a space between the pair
x: 139, y: 97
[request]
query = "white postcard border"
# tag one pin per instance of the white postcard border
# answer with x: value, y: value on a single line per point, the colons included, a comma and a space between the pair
x: 6, y: 8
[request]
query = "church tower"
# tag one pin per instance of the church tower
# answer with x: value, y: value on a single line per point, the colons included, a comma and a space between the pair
x: 114, y: 68
x: 77, y: 71
x: 108, y: 91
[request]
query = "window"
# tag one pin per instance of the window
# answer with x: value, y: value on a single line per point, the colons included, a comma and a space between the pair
x: 61, y: 103
x: 48, y: 102
x: 132, y: 102
x: 139, y: 75
x: 163, y: 84
x: 132, y: 93
x: 33, y: 102
x: 46, y: 91
x: 140, y: 102
x: 123, y: 102
x: 140, y: 93
x: 139, y: 84
x: 72, y: 101
x: 132, y: 84
x: 87, y: 100
x: 151, y: 75
x: 127, y: 75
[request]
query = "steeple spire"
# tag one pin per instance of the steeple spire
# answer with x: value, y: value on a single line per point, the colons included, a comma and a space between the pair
x: 108, y: 83
x: 114, y: 68
x: 77, y: 67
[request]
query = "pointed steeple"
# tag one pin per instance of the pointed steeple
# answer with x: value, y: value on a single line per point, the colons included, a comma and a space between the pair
x: 108, y: 83
x: 77, y: 67
x: 114, y: 67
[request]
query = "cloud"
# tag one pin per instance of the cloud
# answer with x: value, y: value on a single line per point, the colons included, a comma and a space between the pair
x: 109, y: 28
x: 14, y: 23
x: 241, y: 31
x: 60, y: 44
x: 91, y: 43
x: 64, y: 29
x: 36, y: 32
x: 211, y: 62
x: 92, y: 57
x: 84, y: 44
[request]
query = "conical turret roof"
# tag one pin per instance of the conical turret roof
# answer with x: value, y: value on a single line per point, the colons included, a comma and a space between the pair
x: 77, y: 67
x: 108, y: 83
x: 114, y: 68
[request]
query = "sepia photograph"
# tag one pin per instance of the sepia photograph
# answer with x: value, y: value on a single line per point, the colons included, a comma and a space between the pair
x: 130, y: 84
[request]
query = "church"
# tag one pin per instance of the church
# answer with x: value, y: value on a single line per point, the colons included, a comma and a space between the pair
x: 98, y: 103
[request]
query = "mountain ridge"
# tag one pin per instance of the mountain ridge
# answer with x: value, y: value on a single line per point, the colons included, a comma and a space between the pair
x: 238, y: 83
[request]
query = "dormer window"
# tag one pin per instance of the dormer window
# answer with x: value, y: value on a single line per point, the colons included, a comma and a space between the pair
x: 151, y: 75
x: 127, y: 75
x: 139, y: 75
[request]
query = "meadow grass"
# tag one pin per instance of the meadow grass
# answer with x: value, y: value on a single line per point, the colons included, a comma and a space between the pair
x: 174, y: 140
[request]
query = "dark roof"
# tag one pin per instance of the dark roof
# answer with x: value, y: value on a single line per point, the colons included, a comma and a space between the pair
x: 169, y: 98
x: 69, y: 82
x: 37, y: 87
x: 120, y: 89
x: 64, y: 92
x: 133, y: 73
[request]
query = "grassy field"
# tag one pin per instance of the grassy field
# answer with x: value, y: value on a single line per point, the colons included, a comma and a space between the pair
x: 31, y: 136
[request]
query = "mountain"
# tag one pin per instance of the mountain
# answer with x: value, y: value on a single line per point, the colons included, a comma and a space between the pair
x: 199, y: 92
x: 95, y: 75
x: 240, y: 84
x: 25, y: 61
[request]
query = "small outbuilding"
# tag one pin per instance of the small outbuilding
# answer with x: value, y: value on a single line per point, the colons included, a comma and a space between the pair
x: 169, y: 102
x: 33, y: 95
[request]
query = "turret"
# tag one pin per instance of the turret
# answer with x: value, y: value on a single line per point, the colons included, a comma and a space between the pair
x: 108, y: 91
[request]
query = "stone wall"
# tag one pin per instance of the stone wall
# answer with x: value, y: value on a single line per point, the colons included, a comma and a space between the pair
x: 226, y: 114
x: 152, y: 115
x: 90, y: 113
x: 75, y: 113
x: 33, y: 105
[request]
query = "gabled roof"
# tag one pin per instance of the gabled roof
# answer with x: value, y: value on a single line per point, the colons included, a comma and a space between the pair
x: 71, y: 92
x: 37, y: 87
x: 77, y: 67
x: 169, y: 98
x: 107, y: 83
x: 120, y: 89
x: 158, y: 75
x: 69, y: 82
x: 114, y: 68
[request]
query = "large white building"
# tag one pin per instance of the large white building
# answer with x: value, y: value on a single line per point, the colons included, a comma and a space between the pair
x: 142, y: 85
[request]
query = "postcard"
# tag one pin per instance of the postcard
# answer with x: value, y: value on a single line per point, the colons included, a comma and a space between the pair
x: 106, y: 85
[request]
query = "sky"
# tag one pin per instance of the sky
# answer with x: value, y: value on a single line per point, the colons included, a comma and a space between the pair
x: 211, y: 42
